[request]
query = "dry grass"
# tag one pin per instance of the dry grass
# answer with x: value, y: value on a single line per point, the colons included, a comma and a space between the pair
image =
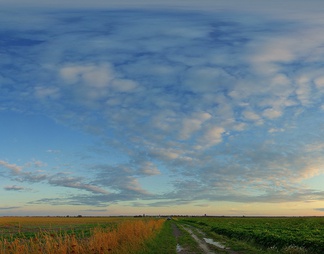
x: 128, y: 237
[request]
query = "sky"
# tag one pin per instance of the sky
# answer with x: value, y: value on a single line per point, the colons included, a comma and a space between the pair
x: 162, y: 107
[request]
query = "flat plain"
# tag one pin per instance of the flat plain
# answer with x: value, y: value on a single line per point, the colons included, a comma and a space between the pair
x: 149, y: 235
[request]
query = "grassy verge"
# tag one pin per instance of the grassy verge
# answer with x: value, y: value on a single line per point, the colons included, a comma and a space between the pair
x: 187, y: 242
x: 163, y: 242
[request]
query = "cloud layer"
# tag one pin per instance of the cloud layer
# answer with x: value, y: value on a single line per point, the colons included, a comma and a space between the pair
x: 230, y: 107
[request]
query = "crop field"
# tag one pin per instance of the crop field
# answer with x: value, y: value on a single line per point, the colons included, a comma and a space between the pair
x: 89, y: 235
x: 281, y: 235
x: 148, y: 235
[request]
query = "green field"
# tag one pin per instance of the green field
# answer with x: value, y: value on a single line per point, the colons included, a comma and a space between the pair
x: 301, y: 234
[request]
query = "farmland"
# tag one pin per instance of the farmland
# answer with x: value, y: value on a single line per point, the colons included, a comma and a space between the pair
x: 46, y: 235
x: 283, y: 235
x: 149, y: 235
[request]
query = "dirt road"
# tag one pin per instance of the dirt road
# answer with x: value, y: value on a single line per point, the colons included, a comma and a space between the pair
x: 204, y: 243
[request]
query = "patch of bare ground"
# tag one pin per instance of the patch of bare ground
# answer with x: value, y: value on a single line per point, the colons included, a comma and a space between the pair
x: 176, y: 231
x: 208, y: 246
x: 180, y: 249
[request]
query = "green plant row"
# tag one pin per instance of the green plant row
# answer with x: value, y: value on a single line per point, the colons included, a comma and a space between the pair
x: 307, y: 233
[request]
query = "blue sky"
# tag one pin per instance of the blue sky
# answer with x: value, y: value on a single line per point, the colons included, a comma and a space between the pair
x: 161, y: 107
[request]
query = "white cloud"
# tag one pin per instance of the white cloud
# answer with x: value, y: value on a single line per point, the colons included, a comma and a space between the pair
x: 168, y: 88
x: 36, y: 164
x: 60, y: 179
x: 272, y: 113
x: 165, y: 154
x: 275, y: 50
x: 303, y: 91
x: 311, y: 171
x: 134, y: 186
x: 15, y: 188
x: 96, y: 76
x: 273, y: 130
x: 124, y: 85
x: 314, y: 147
x: 319, y: 82
x: 252, y: 116
x: 73, y: 182
x: 207, y: 79
x: 213, y: 136
x: 240, y: 126
x: 15, y: 169
x: 193, y: 124
x: 47, y: 92
x: 148, y: 168
x: 53, y: 151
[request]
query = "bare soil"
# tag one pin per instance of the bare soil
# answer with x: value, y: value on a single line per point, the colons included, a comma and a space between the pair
x: 201, y: 242
x: 177, y: 233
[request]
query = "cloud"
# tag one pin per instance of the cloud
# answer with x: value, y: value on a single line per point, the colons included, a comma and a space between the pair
x: 95, y: 210
x: 319, y: 209
x: 203, y: 205
x: 15, y: 169
x: 272, y: 113
x: 121, y: 179
x: 193, y: 124
x: 10, y: 208
x: 15, y: 188
x: 213, y: 136
x: 166, y: 203
x: 252, y: 116
x: 148, y: 168
x: 36, y: 164
x: 74, y: 182
x: 272, y: 130
x: 47, y: 92
x: 228, y: 107
x: 53, y: 151
x: 91, y: 75
x: 59, y: 179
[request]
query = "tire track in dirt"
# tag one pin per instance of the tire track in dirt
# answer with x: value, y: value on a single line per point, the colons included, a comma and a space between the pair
x: 177, y: 233
x: 203, y: 245
x: 201, y: 242
x: 184, y: 250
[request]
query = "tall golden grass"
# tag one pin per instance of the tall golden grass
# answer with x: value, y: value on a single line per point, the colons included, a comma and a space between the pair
x: 128, y: 237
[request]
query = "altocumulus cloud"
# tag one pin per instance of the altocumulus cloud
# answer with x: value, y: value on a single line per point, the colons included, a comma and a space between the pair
x: 10, y: 208
x: 14, y: 188
x: 230, y: 107
x: 62, y: 179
